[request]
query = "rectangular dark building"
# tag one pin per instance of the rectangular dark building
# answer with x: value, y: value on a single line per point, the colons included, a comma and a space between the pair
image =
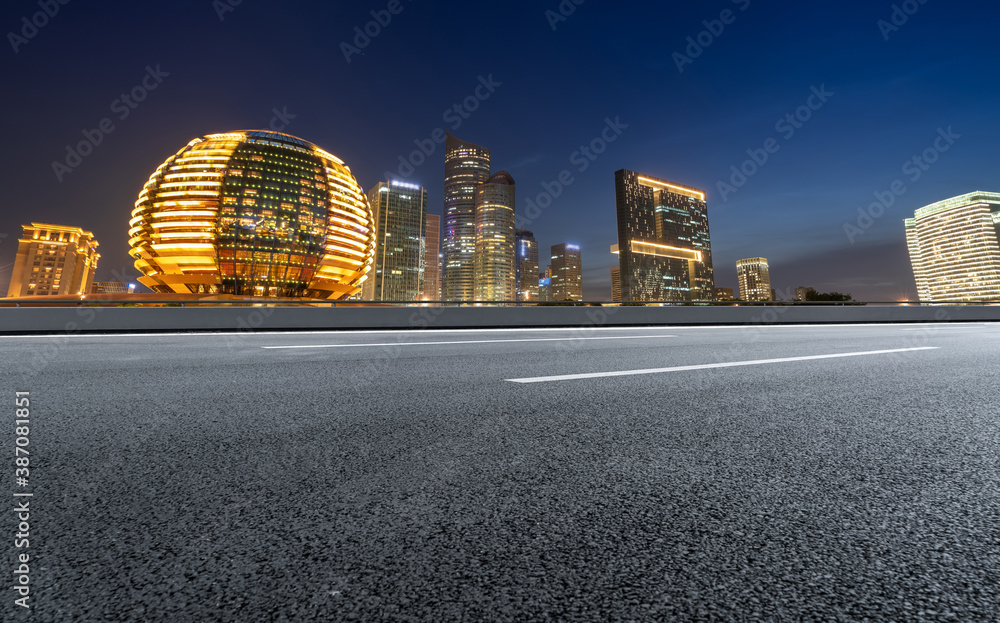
x: 663, y: 240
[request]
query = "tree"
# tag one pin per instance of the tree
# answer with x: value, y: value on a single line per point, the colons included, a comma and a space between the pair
x: 813, y: 295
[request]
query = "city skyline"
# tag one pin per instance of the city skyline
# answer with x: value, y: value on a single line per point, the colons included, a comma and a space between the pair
x: 946, y: 238
x: 241, y: 180
x: 881, y: 118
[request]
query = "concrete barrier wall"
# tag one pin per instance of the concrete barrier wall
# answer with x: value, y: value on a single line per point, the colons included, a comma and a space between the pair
x: 136, y: 319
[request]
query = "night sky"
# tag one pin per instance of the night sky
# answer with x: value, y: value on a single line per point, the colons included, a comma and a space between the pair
x: 896, y: 88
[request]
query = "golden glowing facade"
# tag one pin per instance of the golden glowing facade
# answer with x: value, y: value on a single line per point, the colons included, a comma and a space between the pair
x: 253, y: 213
x: 754, y: 276
x: 494, y: 262
x: 954, y: 249
x: 53, y: 260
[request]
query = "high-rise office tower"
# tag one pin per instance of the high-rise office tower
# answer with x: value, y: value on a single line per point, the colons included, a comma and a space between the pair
x: 755, y: 279
x: 526, y: 268
x: 431, y: 289
x: 465, y: 166
x: 567, y: 273
x: 495, y: 239
x: 53, y: 260
x: 663, y: 240
x: 398, y: 210
x: 954, y: 248
x: 616, y: 284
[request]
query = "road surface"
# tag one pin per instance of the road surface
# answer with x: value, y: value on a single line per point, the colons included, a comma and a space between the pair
x: 645, y: 474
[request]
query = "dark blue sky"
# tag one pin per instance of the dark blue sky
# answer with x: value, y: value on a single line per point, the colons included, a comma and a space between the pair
x: 890, y: 97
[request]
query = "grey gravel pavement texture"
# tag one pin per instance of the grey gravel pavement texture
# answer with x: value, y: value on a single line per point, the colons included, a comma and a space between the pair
x: 206, y: 478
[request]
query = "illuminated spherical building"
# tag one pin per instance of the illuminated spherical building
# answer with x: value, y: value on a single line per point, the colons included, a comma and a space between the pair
x: 253, y: 213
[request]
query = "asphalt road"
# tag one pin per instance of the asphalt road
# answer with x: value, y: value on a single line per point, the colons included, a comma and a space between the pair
x: 382, y: 477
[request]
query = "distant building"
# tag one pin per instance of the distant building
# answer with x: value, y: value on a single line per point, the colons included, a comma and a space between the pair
x: 567, y: 272
x: 616, y: 284
x: 801, y: 293
x: 110, y: 287
x: 755, y: 279
x: 494, y: 263
x: 954, y: 249
x: 526, y: 268
x: 53, y: 260
x: 545, y: 289
x: 431, y: 288
x: 399, y: 210
x: 774, y: 295
x: 545, y: 284
x: 725, y: 294
x: 466, y: 165
x: 664, y: 251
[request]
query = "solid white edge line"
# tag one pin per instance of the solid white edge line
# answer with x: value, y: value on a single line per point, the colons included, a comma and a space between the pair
x: 936, y: 327
x: 707, y: 366
x: 543, y: 339
x: 265, y: 333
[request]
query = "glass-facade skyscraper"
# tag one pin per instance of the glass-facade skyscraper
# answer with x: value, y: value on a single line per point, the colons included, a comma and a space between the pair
x: 663, y: 240
x: 954, y: 249
x: 399, y: 210
x: 567, y: 273
x: 465, y: 166
x: 754, y: 277
x: 494, y: 276
x: 526, y: 268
